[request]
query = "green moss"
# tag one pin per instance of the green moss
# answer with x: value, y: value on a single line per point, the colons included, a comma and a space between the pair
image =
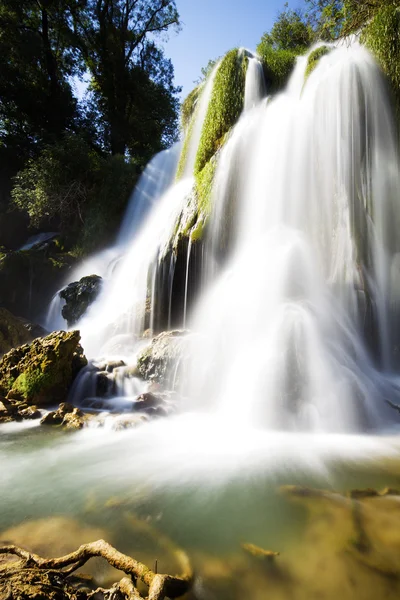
x: 314, y: 58
x: 204, y: 183
x: 183, y: 157
x: 31, y: 383
x: 197, y: 232
x: 278, y: 65
x: 382, y: 37
x: 225, y: 106
x: 189, y: 105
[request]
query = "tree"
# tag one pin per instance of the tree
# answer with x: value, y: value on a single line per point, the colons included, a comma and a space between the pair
x: 132, y: 81
x: 38, y: 59
x: 291, y: 31
x: 326, y: 17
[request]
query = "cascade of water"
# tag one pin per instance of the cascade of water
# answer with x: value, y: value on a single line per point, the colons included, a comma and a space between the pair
x: 282, y: 341
x: 186, y: 282
x: 121, y: 308
x: 54, y: 320
x: 197, y: 123
x: 255, y: 88
x: 304, y: 268
x: 154, y: 181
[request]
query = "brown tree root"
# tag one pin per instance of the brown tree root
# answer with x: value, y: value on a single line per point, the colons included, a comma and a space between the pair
x: 160, y: 585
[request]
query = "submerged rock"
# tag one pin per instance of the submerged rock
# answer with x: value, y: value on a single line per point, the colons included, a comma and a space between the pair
x: 78, y: 296
x: 159, y: 362
x: 42, y: 372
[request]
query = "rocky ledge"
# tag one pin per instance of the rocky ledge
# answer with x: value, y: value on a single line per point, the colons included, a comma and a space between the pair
x: 39, y: 374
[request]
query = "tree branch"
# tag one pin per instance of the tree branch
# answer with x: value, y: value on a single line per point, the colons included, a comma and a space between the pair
x: 160, y: 585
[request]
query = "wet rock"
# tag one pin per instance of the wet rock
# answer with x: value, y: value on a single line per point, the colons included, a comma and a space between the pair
x: 102, y: 384
x: 158, y: 362
x: 11, y: 410
x: 67, y: 415
x: 78, y: 296
x: 74, y: 420
x: 42, y: 372
x: 30, y: 412
x: 114, y: 364
x: 128, y: 421
x: 56, y: 417
x: 147, y: 402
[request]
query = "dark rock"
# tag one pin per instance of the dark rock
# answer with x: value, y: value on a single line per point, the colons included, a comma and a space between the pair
x: 114, y: 364
x: 30, y: 412
x: 33, y: 329
x: 102, y: 384
x: 42, y: 372
x: 12, y: 331
x: 78, y: 296
x: 158, y: 362
x: 147, y: 402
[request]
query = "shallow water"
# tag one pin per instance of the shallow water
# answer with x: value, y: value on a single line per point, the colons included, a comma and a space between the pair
x: 209, y: 498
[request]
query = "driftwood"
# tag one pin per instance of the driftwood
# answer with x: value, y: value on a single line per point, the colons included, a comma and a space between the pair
x: 160, y: 585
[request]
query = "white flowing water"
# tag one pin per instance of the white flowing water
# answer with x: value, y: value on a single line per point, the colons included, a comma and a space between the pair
x: 255, y: 88
x: 196, y: 126
x: 154, y: 181
x: 313, y: 264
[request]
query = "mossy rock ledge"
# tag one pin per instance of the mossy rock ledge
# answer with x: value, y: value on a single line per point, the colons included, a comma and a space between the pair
x: 42, y: 372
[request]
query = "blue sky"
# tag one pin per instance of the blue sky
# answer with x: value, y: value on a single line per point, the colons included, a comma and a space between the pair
x: 211, y: 27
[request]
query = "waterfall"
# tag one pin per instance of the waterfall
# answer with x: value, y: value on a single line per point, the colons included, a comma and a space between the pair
x: 198, y: 119
x: 313, y: 253
x: 296, y: 325
x: 255, y: 88
x: 155, y: 179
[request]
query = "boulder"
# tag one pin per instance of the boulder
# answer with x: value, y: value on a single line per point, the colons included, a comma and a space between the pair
x: 42, y: 372
x: 78, y: 296
x: 11, y: 410
x: 158, y: 361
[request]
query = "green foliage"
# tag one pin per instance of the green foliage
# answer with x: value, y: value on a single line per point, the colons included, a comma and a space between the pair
x: 326, y: 17
x: 291, y: 31
x: 278, y: 65
x: 314, y: 59
x: 38, y: 59
x: 225, y: 106
x: 73, y: 187
x: 107, y: 203
x: 132, y: 81
x: 56, y: 185
x: 382, y: 37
